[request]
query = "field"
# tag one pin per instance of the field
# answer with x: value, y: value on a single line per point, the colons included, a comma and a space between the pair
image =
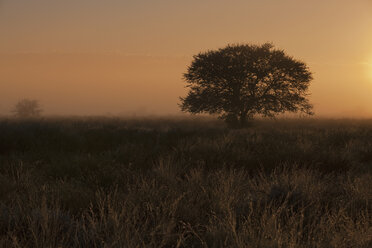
x: 176, y: 182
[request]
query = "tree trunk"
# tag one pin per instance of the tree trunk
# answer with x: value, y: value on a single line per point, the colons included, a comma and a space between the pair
x: 243, y: 120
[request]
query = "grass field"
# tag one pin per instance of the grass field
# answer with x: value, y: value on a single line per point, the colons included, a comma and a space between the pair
x: 111, y: 182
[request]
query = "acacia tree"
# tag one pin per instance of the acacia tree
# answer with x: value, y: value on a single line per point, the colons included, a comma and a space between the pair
x: 241, y: 81
x: 27, y: 108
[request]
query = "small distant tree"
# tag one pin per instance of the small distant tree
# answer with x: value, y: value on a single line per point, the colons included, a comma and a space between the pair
x: 27, y: 108
x: 241, y: 81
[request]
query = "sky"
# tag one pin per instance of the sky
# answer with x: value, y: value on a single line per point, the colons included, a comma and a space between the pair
x: 94, y: 57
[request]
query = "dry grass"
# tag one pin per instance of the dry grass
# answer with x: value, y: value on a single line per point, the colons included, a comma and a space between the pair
x: 120, y: 183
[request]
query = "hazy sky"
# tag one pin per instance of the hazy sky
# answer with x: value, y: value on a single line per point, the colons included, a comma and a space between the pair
x: 121, y: 56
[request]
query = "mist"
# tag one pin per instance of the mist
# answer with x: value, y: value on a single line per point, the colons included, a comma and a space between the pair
x: 119, y: 84
x: 93, y: 84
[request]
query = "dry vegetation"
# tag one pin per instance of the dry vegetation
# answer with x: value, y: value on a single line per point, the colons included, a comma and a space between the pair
x: 185, y: 183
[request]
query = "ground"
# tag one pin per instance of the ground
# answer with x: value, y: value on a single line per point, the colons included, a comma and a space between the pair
x: 178, y: 182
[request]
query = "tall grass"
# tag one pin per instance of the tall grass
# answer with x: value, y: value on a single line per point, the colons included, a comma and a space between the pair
x: 101, y: 182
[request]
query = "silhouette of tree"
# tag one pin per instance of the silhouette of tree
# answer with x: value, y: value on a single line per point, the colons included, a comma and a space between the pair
x: 241, y: 81
x: 27, y: 108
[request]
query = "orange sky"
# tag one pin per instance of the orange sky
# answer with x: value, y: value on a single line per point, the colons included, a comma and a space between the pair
x: 124, y: 57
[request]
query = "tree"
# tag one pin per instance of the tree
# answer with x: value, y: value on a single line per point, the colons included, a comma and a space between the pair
x: 27, y: 108
x: 241, y: 81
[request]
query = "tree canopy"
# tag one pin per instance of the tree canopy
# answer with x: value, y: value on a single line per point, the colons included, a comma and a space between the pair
x: 27, y: 108
x: 241, y: 81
